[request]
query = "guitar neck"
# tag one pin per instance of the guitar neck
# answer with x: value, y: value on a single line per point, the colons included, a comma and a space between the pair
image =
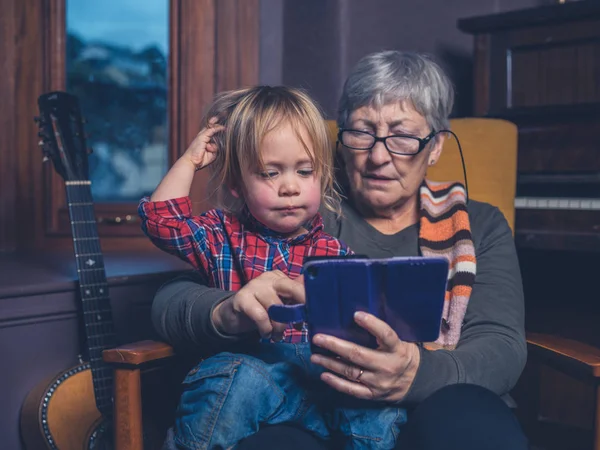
x: 93, y: 289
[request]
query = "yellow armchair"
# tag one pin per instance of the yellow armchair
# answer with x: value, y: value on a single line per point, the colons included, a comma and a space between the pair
x: 490, y: 151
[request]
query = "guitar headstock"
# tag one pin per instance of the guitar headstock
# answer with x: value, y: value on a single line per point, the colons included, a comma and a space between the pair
x: 62, y: 135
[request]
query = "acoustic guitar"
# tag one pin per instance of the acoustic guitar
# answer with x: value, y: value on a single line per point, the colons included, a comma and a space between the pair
x: 73, y: 409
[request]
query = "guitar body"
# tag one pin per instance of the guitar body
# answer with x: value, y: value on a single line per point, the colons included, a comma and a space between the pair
x: 61, y: 414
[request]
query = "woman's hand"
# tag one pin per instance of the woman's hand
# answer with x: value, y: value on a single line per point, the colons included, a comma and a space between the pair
x: 202, y: 152
x: 384, y: 374
x: 247, y: 309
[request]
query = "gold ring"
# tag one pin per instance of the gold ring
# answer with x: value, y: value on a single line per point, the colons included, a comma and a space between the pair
x: 357, y: 379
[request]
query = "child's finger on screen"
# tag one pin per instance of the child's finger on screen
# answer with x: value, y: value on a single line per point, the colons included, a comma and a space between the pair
x: 290, y: 291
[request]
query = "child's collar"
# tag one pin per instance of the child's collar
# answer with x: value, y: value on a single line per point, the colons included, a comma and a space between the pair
x: 313, y: 226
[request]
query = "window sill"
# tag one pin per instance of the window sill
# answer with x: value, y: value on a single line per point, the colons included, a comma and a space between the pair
x: 36, y: 273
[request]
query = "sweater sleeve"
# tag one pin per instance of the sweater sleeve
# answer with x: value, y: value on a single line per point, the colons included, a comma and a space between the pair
x: 182, y: 312
x: 492, y: 350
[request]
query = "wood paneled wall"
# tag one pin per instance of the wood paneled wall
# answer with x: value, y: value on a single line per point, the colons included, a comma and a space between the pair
x: 8, y: 157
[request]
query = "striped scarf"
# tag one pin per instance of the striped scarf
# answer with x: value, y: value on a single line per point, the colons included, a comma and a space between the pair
x: 445, y: 231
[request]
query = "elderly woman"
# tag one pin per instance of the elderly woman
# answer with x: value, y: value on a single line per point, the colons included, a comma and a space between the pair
x: 392, y: 114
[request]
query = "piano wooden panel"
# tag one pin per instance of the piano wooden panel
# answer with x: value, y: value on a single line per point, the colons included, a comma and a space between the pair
x: 539, y: 228
x: 559, y: 144
x: 540, y: 68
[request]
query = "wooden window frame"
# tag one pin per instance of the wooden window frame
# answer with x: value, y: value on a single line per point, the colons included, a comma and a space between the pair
x: 214, y: 46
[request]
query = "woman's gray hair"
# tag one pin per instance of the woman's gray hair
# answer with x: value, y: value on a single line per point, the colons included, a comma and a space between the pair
x: 393, y: 76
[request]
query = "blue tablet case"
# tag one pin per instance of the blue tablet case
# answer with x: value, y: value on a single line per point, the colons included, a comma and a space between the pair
x: 406, y: 293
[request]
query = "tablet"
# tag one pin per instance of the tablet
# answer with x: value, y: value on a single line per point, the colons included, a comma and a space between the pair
x: 406, y: 293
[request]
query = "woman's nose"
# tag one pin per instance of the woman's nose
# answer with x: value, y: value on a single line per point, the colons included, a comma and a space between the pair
x: 379, y: 154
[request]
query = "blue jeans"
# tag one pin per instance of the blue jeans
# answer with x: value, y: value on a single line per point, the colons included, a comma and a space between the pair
x: 229, y: 397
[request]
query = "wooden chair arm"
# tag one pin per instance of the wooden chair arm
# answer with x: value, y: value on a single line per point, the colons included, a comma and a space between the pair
x: 138, y: 353
x: 565, y: 355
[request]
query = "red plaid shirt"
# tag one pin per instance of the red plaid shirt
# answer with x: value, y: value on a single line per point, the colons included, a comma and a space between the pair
x: 231, y: 251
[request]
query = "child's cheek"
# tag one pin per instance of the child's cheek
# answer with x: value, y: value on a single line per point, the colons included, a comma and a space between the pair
x: 314, y: 194
x: 264, y: 195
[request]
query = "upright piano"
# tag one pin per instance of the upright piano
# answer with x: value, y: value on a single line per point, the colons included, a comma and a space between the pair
x: 540, y: 68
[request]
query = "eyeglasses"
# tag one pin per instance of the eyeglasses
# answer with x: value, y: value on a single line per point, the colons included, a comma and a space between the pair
x: 399, y: 144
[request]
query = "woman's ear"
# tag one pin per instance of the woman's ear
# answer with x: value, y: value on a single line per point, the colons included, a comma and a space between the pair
x: 436, y: 151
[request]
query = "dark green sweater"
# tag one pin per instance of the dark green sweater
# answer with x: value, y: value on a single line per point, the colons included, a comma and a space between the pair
x: 492, y: 349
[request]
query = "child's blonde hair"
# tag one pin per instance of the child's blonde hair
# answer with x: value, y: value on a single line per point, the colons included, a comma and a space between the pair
x: 248, y: 116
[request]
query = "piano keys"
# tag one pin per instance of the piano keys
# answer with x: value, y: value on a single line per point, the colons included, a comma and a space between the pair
x: 557, y: 203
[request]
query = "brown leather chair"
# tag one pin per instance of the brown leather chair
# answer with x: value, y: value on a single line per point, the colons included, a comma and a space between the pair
x: 490, y: 151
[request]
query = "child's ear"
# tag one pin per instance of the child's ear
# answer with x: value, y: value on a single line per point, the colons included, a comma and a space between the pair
x: 234, y: 192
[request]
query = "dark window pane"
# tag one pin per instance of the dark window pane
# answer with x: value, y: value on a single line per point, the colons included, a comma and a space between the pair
x: 117, y: 53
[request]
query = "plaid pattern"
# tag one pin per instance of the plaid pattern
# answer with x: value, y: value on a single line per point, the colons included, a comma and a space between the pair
x: 231, y: 251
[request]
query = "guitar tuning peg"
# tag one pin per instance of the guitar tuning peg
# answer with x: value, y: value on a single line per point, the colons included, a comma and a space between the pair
x: 37, y: 119
x: 41, y: 143
x: 45, y: 159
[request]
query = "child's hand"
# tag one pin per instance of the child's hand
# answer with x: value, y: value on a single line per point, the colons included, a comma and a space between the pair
x: 202, y: 151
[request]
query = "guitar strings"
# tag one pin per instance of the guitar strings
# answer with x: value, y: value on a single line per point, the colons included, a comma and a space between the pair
x: 97, y: 308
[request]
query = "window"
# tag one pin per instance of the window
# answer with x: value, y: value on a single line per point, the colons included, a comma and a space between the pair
x: 116, y: 64
x: 205, y: 46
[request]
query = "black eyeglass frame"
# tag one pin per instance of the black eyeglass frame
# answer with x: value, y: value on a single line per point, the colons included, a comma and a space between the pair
x: 422, y: 141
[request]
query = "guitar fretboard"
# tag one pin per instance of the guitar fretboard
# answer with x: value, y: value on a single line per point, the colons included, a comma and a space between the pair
x: 93, y: 289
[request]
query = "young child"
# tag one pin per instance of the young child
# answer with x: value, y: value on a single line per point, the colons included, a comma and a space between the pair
x: 271, y: 164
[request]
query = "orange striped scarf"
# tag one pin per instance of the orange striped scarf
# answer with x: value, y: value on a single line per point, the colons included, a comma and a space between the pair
x: 445, y: 231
